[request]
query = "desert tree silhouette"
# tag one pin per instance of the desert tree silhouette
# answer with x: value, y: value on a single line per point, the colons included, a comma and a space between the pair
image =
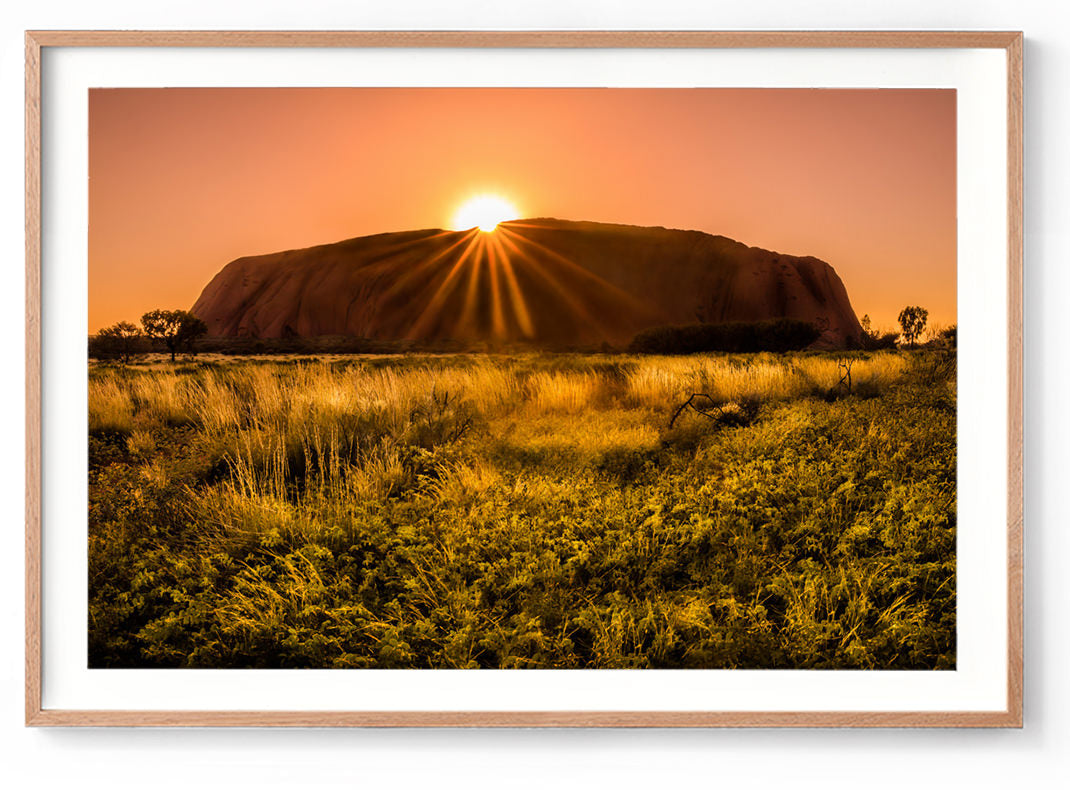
x: 912, y: 319
x: 177, y: 329
x: 121, y: 341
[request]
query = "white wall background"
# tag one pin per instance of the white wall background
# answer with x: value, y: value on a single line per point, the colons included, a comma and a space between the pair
x: 1035, y: 756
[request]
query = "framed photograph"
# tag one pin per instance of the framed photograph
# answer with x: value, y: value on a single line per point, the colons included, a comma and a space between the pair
x: 368, y: 370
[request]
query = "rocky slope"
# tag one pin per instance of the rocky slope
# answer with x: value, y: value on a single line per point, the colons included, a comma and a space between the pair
x: 546, y: 282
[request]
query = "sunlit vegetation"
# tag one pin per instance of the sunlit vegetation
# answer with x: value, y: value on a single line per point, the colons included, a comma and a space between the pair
x: 524, y: 511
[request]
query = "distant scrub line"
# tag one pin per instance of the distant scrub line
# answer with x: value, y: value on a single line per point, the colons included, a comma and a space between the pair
x: 780, y: 335
x: 125, y: 342
x: 525, y: 511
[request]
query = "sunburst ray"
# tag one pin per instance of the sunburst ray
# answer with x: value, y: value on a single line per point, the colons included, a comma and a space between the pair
x: 433, y: 308
x: 577, y: 307
x: 516, y: 296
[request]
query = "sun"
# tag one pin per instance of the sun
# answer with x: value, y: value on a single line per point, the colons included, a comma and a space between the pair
x: 483, y: 212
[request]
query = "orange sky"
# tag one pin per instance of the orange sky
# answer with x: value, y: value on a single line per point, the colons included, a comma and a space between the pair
x: 182, y: 181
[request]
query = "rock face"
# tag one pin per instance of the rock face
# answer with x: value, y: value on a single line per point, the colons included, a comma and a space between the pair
x: 545, y: 282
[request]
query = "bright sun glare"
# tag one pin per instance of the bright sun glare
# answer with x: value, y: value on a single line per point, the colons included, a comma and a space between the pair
x: 484, y: 212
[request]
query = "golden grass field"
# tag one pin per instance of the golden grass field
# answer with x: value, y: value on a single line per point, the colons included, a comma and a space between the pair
x: 524, y: 511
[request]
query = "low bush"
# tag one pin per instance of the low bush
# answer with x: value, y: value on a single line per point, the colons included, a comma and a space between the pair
x: 780, y: 335
x: 879, y: 341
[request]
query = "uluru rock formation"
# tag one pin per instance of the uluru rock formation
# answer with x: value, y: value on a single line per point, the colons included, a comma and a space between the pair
x: 546, y: 282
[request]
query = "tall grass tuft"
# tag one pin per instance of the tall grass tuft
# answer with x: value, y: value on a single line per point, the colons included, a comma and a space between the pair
x: 564, y: 391
x: 111, y: 408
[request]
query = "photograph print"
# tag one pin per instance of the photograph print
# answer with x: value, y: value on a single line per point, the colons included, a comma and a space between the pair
x: 522, y: 378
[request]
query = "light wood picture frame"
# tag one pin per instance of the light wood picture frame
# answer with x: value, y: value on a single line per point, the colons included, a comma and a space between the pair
x: 39, y: 713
